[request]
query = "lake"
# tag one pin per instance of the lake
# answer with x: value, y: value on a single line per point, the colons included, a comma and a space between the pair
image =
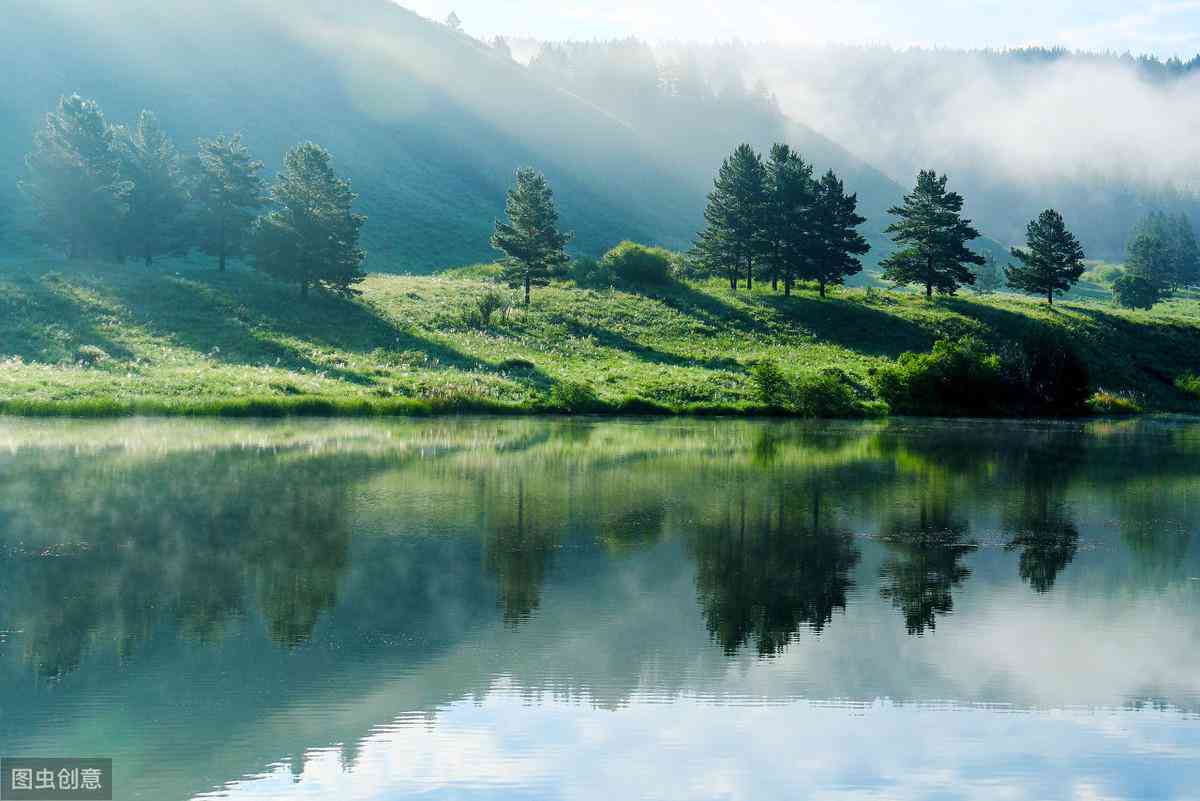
x: 479, y: 608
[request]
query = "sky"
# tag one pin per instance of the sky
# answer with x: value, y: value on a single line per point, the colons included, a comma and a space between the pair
x: 1163, y: 28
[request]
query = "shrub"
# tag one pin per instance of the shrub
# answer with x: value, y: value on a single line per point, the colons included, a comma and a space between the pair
x: 486, y: 305
x: 91, y: 355
x: 1189, y: 384
x: 574, y: 396
x: 830, y: 393
x: 632, y: 263
x: 959, y: 376
x: 1114, y: 403
x: 1133, y: 291
x: 771, y: 384
x: 591, y: 274
x: 1046, y: 375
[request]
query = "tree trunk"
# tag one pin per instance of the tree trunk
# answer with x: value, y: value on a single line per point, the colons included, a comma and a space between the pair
x: 774, y: 283
x: 733, y: 278
x: 1050, y: 296
x: 821, y: 286
x: 749, y: 275
x: 787, y: 287
x: 928, y: 290
x: 526, y: 289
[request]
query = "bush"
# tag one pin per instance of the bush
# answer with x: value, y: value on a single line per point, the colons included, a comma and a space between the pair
x: 1136, y: 292
x: 591, y: 274
x: 1046, y: 376
x: 1189, y: 384
x: 632, y: 263
x: 91, y: 355
x: 574, y: 396
x: 517, y: 364
x: 1114, y: 403
x: 830, y: 393
x: 486, y: 305
x: 771, y: 384
x: 959, y: 376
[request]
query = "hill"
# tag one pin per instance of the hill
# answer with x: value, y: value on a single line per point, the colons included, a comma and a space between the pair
x: 428, y: 123
x: 106, y: 339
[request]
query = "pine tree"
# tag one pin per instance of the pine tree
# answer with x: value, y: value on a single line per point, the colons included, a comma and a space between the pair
x: 228, y: 192
x: 453, y: 22
x: 988, y: 278
x: 159, y: 193
x: 838, y: 244
x: 933, y: 237
x: 732, y: 240
x: 1185, y: 251
x: 311, y: 238
x: 74, y: 179
x: 1149, y: 271
x: 1052, y: 261
x: 530, y: 240
x: 788, y: 208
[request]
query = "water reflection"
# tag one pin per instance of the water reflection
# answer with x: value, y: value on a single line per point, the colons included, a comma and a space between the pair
x: 245, y: 593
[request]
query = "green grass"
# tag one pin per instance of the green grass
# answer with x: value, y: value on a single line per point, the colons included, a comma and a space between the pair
x: 101, y: 339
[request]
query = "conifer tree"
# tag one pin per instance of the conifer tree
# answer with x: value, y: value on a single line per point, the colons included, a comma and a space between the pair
x: 837, y: 242
x: 933, y: 236
x: 531, y: 242
x: 787, y: 212
x: 1185, y: 251
x: 988, y: 278
x: 311, y: 238
x: 1052, y: 261
x: 228, y: 191
x: 159, y: 194
x: 732, y: 240
x: 74, y: 179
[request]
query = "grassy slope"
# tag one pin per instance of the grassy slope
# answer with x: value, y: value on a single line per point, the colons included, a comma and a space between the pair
x: 187, y: 338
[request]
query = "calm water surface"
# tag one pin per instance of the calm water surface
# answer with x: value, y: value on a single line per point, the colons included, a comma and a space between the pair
x: 531, y: 609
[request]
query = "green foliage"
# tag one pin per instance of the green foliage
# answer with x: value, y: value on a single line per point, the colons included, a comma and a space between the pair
x: 732, y: 236
x: 574, y: 396
x: 636, y: 264
x: 588, y: 273
x: 1041, y: 375
x: 1052, y: 261
x: 311, y: 238
x: 1114, y: 404
x: 75, y: 181
x: 988, y: 278
x: 228, y: 193
x: 1046, y: 375
x: 828, y: 393
x: 158, y: 195
x: 1162, y: 249
x: 932, y: 237
x: 530, y: 240
x: 1189, y: 384
x: 958, y: 377
x: 788, y: 234
x: 771, y: 384
x: 1137, y: 291
x: 487, y: 305
x: 836, y: 243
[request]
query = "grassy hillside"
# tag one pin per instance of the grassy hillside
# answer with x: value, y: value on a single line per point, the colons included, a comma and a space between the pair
x: 102, y: 337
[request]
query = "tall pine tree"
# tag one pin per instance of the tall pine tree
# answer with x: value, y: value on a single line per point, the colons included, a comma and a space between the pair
x: 1052, y: 261
x: 787, y: 211
x: 732, y: 240
x: 311, y: 238
x: 228, y: 193
x: 530, y: 241
x: 933, y: 236
x: 159, y: 193
x: 837, y: 242
x: 74, y: 180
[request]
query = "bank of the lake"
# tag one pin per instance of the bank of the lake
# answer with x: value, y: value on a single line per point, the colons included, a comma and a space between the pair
x: 104, y: 339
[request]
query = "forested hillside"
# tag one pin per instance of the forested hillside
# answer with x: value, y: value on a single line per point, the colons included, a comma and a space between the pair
x: 428, y: 123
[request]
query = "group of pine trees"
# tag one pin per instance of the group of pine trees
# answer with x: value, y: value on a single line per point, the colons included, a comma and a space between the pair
x: 775, y: 220
x: 1161, y: 258
x: 101, y: 190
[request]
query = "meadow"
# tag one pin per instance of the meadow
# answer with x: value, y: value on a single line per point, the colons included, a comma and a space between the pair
x: 180, y: 338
